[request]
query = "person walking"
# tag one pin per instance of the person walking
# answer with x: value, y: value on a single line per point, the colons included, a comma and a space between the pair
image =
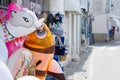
x: 113, y: 31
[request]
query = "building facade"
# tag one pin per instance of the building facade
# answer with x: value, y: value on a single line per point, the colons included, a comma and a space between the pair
x: 101, y: 11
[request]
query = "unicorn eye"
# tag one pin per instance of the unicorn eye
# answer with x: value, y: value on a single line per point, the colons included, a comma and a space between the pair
x: 25, y: 19
x: 15, y: 11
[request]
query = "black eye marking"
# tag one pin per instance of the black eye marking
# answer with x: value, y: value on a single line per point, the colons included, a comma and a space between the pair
x: 25, y: 19
x: 15, y: 11
x: 38, y: 62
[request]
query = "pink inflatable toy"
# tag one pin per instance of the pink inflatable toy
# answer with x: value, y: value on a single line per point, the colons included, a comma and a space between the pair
x: 20, y: 22
x: 13, y: 6
x: 14, y: 44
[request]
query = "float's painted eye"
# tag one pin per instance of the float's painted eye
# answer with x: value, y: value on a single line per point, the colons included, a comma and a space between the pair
x: 38, y: 62
x: 14, y: 11
x: 25, y: 19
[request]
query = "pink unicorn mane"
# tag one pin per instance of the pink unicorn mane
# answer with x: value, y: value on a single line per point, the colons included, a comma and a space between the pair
x: 13, y: 6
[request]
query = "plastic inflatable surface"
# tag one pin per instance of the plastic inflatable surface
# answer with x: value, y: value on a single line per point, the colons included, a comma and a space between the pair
x: 21, y: 21
x: 3, y: 51
x: 41, y: 44
x: 28, y: 78
x: 5, y: 73
x: 14, y: 44
x: 21, y: 63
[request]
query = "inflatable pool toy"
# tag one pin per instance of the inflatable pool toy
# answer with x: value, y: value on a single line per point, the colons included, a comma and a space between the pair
x: 5, y: 73
x: 28, y: 78
x: 21, y: 63
x: 41, y: 44
x: 3, y: 51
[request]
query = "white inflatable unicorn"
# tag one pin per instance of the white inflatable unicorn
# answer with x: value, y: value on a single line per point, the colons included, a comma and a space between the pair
x: 21, y: 21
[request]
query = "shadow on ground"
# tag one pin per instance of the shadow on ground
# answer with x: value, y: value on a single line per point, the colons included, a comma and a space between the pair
x: 107, y: 44
x: 78, y: 68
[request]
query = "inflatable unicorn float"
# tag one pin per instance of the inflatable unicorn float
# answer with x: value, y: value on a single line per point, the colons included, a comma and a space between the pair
x: 29, y: 42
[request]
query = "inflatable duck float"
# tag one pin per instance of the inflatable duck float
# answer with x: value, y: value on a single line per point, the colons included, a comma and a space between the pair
x: 41, y: 44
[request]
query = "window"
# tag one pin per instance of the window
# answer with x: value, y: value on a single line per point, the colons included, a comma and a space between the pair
x: 4, y: 3
x: 118, y: 5
x: 34, y: 5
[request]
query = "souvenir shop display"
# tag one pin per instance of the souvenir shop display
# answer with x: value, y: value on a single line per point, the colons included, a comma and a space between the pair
x: 55, y: 23
x: 51, y: 19
x: 59, y: 46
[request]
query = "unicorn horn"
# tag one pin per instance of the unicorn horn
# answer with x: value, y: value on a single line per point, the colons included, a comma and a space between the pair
x: 39, y: 23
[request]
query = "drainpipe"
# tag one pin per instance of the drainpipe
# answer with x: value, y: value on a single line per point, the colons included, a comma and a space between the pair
x: 108, y: 12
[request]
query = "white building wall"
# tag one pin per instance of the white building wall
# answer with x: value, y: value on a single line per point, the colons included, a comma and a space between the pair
x: 57, y: 6
x: 98, y: 6
x: 99, y: 25
x: 72, y: 5
x: 84, y: 3
x: 104, y: 7
x: 115, y: 10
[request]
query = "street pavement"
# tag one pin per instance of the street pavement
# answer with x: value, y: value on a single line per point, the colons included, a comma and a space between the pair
x: 101, y: 62
x: 77, y: 70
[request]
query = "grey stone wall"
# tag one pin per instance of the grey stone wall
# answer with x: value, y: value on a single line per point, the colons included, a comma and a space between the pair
x: 100, y: 37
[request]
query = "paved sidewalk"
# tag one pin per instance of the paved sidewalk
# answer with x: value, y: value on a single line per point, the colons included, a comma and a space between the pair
x: 78, y: 70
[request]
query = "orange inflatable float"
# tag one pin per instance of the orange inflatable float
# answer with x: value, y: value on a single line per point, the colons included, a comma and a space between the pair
x: 41, y: 44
